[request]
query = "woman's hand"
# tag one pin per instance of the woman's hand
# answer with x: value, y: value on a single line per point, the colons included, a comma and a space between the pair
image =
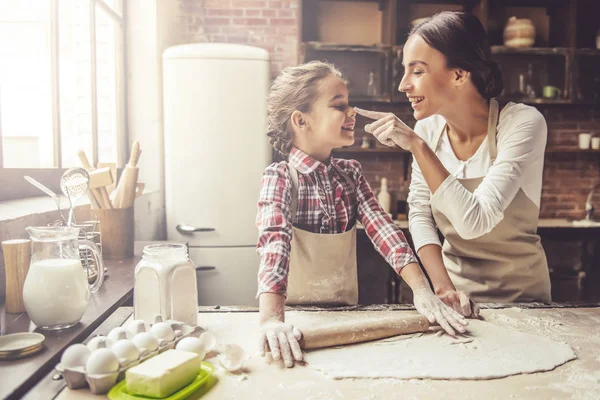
x: 282, y: 339
x: 389, y: 129
x: 460, y: 302
x: 429, y: 305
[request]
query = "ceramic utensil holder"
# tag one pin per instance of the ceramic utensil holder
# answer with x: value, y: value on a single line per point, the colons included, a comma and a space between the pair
x: 117, y: 229
x: 17, y: 256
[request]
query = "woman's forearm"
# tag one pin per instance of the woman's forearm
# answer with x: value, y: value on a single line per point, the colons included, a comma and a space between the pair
x: 431, y: 258
x: 431, y: 167
x: 271, y: 307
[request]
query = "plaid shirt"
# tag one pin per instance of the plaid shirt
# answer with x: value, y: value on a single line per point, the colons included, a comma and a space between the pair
x: 326, y: 204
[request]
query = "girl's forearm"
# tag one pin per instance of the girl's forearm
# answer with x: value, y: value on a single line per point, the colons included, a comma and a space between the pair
x: 271, y: 307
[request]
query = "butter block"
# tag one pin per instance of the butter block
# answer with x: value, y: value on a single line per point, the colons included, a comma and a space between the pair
x: 164, y: 374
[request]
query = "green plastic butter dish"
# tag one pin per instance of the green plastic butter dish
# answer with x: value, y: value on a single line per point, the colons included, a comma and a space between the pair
x: 119, y: 391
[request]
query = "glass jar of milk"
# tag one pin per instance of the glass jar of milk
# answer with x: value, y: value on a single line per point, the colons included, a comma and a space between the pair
x: 165, y: 284
x: 56, y: 291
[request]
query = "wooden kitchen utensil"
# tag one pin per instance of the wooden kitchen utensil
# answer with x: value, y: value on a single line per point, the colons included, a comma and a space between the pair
x: 125, y: 191
x: 363, y: 330
x: 17, y: 256
x: 99, y: 179
x: 95, y: 195
x: 113, y: 171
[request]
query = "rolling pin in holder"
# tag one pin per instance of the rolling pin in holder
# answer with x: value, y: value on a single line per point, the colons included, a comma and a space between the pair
x: 125, y: 192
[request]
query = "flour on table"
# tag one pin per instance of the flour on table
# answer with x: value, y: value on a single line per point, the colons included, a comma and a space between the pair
x: 489, y: 351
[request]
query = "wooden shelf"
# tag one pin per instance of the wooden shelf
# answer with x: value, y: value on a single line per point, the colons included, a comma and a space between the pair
x: 536, y: 101
x: 555, y: 150
x: 587, y: 52
x: 320, y: 46
x: 534, y: 51
x: 389, y: 150
x: 370, y: 99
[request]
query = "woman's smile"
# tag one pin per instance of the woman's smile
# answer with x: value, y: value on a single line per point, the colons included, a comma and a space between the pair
x: 415, y: 101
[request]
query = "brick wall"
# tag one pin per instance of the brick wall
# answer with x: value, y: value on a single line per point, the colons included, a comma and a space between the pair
x: 271, y: 25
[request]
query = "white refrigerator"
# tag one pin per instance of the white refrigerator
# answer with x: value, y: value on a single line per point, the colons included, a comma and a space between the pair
x: 216, y: 150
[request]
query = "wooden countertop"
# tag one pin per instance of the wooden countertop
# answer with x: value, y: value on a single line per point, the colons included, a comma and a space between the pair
x: 259, y: 380
x: 18, y: 376
x: 544, y: 225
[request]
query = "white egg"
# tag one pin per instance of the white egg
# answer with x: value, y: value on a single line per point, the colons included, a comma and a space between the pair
x: 144, y: 340
x: 99, y: 342
x: 136, y: 326
x: 119, y: 333
x: 102, y: 361
x: 126, y: 350
x: 209, y: 341
x: 231, y: 356
x: 193, y: 345
x: 76, y: 355
x: 162, y: 330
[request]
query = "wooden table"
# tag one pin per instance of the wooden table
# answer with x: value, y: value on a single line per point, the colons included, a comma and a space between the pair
x: 576, y: 379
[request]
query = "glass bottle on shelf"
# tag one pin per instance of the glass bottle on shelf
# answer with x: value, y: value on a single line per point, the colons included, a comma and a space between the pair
x: 398, y: 72
x: 530, y: 89
x: 371, y: 88
x: 402, y: 203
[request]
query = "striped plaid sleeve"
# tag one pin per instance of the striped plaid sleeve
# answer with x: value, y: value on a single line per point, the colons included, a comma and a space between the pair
x: 387, y: 238
x: 275, y: 229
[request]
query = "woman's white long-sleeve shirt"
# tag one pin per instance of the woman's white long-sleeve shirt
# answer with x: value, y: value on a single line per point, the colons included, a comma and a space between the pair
x: 521, y: 140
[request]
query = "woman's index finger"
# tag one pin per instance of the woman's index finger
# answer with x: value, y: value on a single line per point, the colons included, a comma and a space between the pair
x: 370, y: 114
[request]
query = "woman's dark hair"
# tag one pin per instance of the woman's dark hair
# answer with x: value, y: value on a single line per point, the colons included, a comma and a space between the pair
x: 461, y: 38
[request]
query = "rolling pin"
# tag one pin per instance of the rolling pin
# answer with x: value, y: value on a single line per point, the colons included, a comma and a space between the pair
x: 124, y: 194
x: 362, y: 330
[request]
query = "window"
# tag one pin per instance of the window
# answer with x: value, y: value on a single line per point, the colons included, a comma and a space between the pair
x: 62, y: 86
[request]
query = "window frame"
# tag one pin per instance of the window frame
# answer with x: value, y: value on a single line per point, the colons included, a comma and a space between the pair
x: 13, y: 186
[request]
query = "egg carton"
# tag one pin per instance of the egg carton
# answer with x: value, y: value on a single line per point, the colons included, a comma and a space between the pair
x: 77, y: 378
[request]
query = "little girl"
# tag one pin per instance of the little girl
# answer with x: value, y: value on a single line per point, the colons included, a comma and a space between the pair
x: 308, y: 209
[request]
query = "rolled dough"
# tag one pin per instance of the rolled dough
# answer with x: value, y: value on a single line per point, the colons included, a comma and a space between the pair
x: 489, y: 351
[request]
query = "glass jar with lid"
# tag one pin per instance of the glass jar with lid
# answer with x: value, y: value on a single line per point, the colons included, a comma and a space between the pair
x: 165, y: 284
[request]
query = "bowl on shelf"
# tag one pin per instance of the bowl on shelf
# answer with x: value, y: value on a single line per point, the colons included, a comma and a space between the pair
x: 519, y: 33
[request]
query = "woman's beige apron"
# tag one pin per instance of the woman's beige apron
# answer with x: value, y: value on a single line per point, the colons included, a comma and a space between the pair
x: 507, y: 264
x: 322, y: 266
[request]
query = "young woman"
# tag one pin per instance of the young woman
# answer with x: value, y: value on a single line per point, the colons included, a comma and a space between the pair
x: 476, y: 172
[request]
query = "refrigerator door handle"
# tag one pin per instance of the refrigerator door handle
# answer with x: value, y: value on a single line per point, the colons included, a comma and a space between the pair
x: 205, y: 268
x: 188, y: 230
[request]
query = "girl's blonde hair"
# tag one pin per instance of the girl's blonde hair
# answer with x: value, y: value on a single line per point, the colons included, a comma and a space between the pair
x: 296, y: 88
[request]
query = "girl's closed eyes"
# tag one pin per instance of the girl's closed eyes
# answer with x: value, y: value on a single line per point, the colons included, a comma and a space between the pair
x: 341, y: 107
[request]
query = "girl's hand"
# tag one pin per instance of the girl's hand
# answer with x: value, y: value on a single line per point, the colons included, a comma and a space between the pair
x: 282, y: 338
x: 389, y: 129
x: 460, y: 302
x: 429, y: 305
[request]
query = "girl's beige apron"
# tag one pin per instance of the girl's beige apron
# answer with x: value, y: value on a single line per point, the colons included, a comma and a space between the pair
x: 322, y: 266
x: 507, y: 264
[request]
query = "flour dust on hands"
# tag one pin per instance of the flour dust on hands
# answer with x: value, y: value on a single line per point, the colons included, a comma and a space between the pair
x: 283, y: 341
x: 430, y: 306
x: 460, y: 302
